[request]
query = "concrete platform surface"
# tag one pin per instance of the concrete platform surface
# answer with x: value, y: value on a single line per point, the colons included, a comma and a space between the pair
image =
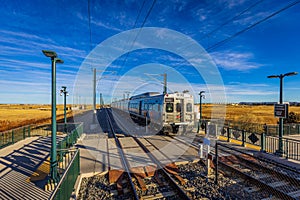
x: 17, y: 163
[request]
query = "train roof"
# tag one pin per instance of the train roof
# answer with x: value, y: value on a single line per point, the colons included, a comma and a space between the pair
x: 151, y: 94
x: 144, y: 95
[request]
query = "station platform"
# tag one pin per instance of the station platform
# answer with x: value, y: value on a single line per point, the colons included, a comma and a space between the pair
x: 18, y: 163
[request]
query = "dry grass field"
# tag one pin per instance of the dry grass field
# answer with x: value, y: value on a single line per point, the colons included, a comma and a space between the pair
x: 247, y: 113
x: 16, y: 115
x: 13, y: 115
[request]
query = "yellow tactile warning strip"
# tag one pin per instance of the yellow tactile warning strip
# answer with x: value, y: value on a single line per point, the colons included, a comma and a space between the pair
x: 240, y: 143
x: 41, y: 173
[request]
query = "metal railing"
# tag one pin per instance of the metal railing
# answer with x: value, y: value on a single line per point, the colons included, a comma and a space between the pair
x: 291, y: 147
x: 12, y: 136
x: 261, y: 141
x: 69, y: 164
x: 71, y: 138
x: 288, y: 129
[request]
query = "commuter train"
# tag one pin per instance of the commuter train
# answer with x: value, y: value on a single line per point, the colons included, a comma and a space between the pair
x: 168, y: 113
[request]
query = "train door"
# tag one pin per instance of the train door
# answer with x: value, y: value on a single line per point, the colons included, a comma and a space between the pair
x: 180, y: 110
x: 189, y: 113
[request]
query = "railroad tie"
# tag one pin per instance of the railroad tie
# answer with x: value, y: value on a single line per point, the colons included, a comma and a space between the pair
x: 173, y: 169
x: 141, y: 182
x: 114, y: 175
x: 150, y: 170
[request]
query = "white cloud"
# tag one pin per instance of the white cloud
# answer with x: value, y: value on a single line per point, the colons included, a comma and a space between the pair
x: 238, y: 61
x: 106, y: 26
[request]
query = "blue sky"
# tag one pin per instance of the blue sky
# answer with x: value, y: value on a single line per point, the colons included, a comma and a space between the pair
x: 243, y: 62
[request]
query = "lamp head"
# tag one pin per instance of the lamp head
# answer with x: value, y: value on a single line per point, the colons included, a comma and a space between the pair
x: 48, y: 53
x: 201, y: 92
x: 291, y: 74
x: 58, y: 60
x: 273, y: 76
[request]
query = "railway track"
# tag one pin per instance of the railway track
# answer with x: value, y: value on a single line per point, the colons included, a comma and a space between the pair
x: 188, y: 180
x: 279, y: 180
x: 190, y: 177
x: 156, y: 184
x: 264, y: 178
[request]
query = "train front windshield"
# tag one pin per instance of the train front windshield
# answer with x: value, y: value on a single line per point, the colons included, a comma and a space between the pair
x: 169, y: 107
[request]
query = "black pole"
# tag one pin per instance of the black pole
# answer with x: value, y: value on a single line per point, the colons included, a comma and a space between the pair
x: 280, y: 143
x: 216, y: 166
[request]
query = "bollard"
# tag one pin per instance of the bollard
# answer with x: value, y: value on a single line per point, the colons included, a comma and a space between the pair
x: 200, y: 152
x: 208, y: 160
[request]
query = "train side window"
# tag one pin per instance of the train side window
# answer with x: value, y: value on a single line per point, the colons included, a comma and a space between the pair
x: 189, y: 107
x: 178, y: 107
x: 169, y: 107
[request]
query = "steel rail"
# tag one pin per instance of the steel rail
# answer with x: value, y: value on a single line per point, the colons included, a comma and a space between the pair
x: 181, y: 192
x: 124, y: 161
x: 175, y: 185
x: 268, y: 188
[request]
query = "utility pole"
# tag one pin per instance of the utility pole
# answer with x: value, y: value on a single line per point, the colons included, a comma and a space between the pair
x: 165, y: 83
x: 94, y: 90
x: 127, y: 93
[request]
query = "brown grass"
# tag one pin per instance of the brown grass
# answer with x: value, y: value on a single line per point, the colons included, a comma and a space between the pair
x: 258, y: 114
x: 16, y: 115
x: 13, y: 116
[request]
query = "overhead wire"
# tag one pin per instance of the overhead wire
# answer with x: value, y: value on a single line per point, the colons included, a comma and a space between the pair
x: 232, y: 19
x: 138, y: 16
x: 222, y: 42
x: 89, y: 19
x: 133, y: 42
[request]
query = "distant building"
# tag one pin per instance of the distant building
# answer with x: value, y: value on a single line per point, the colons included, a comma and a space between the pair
x: 268, y: 103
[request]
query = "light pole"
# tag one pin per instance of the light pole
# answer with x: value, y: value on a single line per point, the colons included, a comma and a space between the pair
x: 281, y: 76
x: 53, y: 161
x: 200, y: 109
x: 65, y: 92
x: 165, y: 83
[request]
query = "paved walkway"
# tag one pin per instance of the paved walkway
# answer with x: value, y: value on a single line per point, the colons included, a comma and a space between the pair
x: 17, y: 163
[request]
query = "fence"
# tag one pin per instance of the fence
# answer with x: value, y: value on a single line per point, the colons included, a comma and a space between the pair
x: 288, y: 129
x: 273, y: 130
x: 12, y: 136
x: 291, y: 147
x: 69, y: 165
x: 71, y: 138
x: 258, y: 141
x: 9, y: 137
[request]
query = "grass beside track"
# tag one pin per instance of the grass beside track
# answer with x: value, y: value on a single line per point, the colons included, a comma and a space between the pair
x: 16, y: 115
